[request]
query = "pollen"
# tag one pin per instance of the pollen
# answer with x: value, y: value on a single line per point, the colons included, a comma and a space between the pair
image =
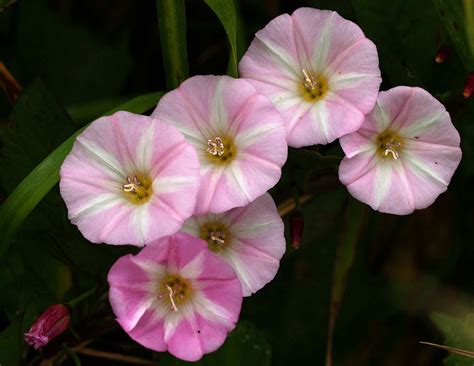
x: 216, y: 235
x: 174, y: 291
x: 137, y: 188
x: 313, y: 86
x: 221, y: 150
x: 389, y: 145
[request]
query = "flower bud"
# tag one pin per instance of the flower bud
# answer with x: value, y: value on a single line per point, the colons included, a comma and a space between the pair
x: 442, y: 54
x: 469, y: 86
x: 51, y: 323
x: 296, y: 228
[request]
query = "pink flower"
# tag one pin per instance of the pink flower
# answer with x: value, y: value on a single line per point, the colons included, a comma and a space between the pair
x: 129, y: 179
x: 238, y: 134
x: 404, y: 155
x: 50, y: 324
x: 250, y: 238
x: 319, y: 70
x: 175, y: 295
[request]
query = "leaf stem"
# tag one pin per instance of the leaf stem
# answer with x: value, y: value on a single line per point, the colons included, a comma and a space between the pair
x: 172, y: 26
x: 81, y: 297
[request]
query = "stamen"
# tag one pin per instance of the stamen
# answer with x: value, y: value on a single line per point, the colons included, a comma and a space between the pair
x: 132, y: 186
x: 171, y: 296
x: 216, y: 147
x: 217, y: 237
x: 310, y: 83
x: 390, y: 148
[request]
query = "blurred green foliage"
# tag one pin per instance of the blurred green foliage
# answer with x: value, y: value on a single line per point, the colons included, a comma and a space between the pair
x: 93, y: 56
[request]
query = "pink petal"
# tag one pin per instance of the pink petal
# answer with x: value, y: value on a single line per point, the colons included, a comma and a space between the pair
x: 200, y: 325
x: 195, y: 337
x: 149, y: 332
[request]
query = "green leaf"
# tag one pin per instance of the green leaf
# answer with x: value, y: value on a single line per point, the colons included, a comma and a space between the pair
x: 10, y: 343
x: 172, y: 25
x: 354, y: 220
x: 458, y: 333
x: 455, y: 20
x: 37, y: 125
x: 5, y: 4
x: 405, y: 34
x: 246, y: 345
x: 77, y: 60
x: 45, y: 176
x: 227, y: 14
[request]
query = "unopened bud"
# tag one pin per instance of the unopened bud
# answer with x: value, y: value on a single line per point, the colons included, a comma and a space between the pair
x: 469, y: 86
x: 296, y: 228
x: 442, y: 54
x: 51, y: 323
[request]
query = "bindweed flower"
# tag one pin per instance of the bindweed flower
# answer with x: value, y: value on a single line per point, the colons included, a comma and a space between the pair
x: 404, y: 155
x: 50, y: 324
x: 296, y: 228
x: 238, y: 134
x: 175, y: 295
x: 319, y: 70
x: 250, y: 238
x: 129, y: 179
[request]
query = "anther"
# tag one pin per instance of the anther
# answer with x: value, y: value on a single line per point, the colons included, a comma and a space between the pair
x: 390, y: 148
x: 171, y: 296
x: 217, y: 237
x: 216, y: 147
x: 309, y: 82
x: 132, y: 185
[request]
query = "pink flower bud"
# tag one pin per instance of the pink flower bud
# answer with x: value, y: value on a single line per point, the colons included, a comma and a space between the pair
x: 296, y: 228
x: 442, y: 54
x: 51, y: 323
x: 469, y: 86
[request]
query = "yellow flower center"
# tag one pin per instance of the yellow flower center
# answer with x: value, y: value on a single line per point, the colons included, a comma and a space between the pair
x: 221, y: 150
x: 313, y: 86
x: 216, y: 235
x: 174, y: 291
x: 138, y: 188
x: 389, y: 145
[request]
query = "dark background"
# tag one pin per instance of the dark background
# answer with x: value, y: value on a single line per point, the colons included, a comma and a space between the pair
x: 412, y: 278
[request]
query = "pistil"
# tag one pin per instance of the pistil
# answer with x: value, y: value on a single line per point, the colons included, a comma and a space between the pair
x: 309, y: 82
x: 216, y: 147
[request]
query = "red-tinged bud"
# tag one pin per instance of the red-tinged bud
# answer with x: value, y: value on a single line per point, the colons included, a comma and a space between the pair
x: 442, y: 54
x: 469, y: 86
x: 49, y: 325
x: 296, y: 228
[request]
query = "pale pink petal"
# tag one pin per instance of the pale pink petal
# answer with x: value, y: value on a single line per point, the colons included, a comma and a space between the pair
x: 123, y: 145
x: 236, y: 112
x: 318, y: 42
x: 429, y: 169
x: 357, y: 143
x: 427, y: 155
x: 256, y: 243
x: 273, y: 55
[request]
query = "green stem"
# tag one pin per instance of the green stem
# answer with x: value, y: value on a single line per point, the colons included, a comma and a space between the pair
x: 81, y: 297
x: 172, y: 26
x: 355, y: 217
